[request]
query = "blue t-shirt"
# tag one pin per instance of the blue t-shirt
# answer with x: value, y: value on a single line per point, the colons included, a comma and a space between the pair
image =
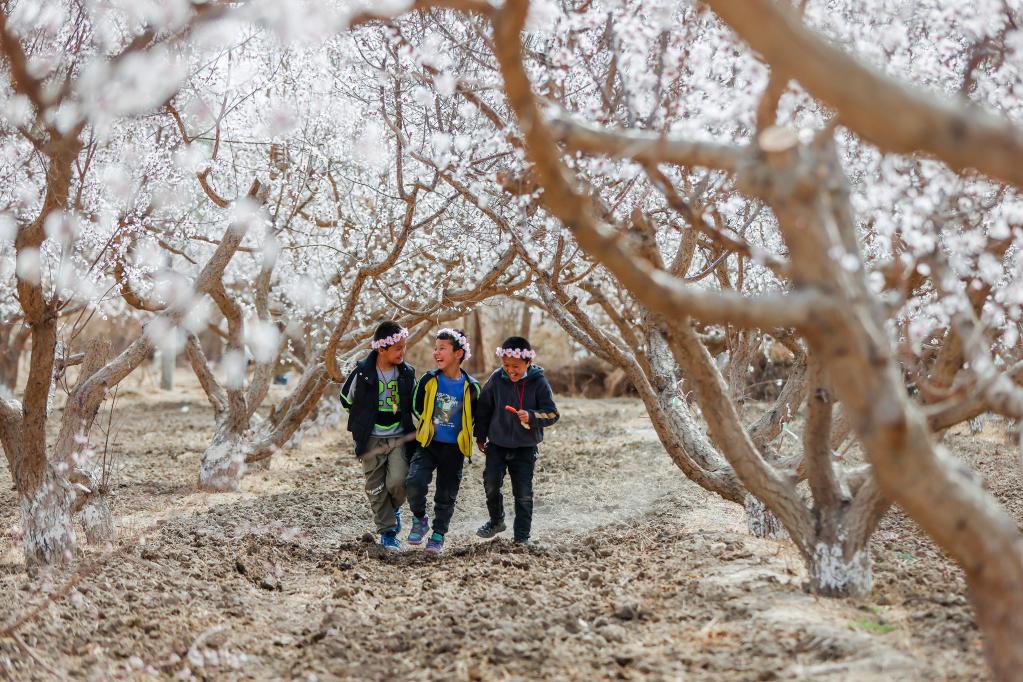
x: 447, y: 408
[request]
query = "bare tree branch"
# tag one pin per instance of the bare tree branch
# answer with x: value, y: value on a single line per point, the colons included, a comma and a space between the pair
x: 892, y: 115
x: 657, y: 289
x: 643, y: 146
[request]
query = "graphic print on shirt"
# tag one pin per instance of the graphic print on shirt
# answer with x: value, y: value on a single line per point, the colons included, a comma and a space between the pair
x: 388, y: 421
x: 445, y: 409
x: 388, y: 395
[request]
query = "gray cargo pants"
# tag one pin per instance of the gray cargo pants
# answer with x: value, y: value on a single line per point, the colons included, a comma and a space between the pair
x: 385, y: 470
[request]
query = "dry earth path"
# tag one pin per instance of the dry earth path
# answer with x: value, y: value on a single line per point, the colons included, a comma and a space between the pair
x: 636, y: 573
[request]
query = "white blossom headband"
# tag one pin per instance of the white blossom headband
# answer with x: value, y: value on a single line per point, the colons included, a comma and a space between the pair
x: 463, y: 343
x: 394, y: 338
x: 520, y: 353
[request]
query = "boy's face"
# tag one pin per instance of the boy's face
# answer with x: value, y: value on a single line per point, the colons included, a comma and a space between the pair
x: 515, y: 368
x: 445, y: 355
x: 394, y: 355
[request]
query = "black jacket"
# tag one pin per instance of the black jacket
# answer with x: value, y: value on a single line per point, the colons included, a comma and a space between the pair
x: 362, y: 408
x: 502, y: 427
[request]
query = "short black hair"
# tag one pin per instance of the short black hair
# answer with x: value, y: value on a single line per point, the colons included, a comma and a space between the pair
x: 385, y: 329
x: 446, y: 336
x: 516, y: 343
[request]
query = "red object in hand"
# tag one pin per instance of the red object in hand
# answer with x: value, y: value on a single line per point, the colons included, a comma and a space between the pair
x: 511, y: 409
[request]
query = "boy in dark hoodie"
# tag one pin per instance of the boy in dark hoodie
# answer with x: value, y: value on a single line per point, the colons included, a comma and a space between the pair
x: 443, y: 405
x: 514, y: 407
x: 378, y: 397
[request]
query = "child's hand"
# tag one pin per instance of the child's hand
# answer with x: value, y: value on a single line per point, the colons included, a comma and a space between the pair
x: 481, y: 446
x: 523, y: 418
x: 523, y: 415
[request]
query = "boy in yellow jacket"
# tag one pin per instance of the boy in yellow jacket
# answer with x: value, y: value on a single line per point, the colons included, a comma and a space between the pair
x: 442, y: 406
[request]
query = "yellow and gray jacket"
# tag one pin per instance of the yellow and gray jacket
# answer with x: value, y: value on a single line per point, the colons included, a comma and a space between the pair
x: 423, y: 399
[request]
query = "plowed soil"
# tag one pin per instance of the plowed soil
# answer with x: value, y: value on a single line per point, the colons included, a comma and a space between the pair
x: 635, y: 573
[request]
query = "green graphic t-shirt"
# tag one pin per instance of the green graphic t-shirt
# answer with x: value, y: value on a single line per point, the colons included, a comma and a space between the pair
x: 388, y: 421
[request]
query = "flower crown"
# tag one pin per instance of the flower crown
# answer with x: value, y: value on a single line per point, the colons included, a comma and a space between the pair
x: 462, y: 341
x: 520, y: 353
x: 390, y: 340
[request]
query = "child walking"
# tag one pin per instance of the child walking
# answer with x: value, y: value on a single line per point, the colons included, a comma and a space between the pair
x: 378, y: 397
x: 515, y: 405
x: 443, y: 405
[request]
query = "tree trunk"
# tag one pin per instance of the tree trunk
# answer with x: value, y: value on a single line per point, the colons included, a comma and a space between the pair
x: 92, y: 508
x: 998, y: 607
x: 12, y: 344
x: 741, y: 345
x: 908, y: 466
x: 526, y: 321
x: 256, y: 426
x: 835, y: 571
x: 167, y: 362
x: 288, y: 415
x: 479, y: 364
x: 212, y: 342
x: 9, y: 372
x: 760, y: 521
x: 97, y: 520
x: 223, y: 463
x: 48, y: 535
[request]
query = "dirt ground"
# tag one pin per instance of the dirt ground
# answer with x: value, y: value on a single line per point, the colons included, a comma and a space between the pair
x: 636, y: 573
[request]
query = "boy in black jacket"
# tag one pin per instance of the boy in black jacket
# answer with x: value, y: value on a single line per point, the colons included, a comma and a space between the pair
x: 514, y: 407
x: 378, y: 397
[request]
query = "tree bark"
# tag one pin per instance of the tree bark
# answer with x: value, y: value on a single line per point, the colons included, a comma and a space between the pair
x: 92, y: 508
x: 12, y: 345
x: 760, y: 522
x: 526, y: 321
x: 167, y: 362
x: 48, y: 535
x: 909, y: 467
x: 223, y: 462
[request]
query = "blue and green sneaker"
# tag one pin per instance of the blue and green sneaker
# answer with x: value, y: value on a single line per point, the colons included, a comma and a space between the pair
x: 419, y: 530
x: 435, y: 545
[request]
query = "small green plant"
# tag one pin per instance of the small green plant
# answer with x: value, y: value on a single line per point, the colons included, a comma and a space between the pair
x: 875, y: 627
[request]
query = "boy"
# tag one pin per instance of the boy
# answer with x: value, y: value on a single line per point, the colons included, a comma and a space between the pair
x: 443, y: 404
x: 378, y: 397
x: 515, y: 406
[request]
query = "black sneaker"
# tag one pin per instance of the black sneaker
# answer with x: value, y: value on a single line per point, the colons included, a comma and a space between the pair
x: 522, y: 541
x: 490, y: 529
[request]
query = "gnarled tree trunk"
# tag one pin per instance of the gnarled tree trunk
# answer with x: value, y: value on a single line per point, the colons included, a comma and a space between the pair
x: 12, y: 345
x: 223, y: 461
x: 47, y: 531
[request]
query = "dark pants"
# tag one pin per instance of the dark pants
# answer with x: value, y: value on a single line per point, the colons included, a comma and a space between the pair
x: 448, y: 461
x: 519, y: 463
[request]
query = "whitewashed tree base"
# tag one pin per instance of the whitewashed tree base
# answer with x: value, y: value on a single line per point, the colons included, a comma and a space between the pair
x: 97, y: 521
x: 223, y: 465
x: 832, y: 575
x: 48, y: 534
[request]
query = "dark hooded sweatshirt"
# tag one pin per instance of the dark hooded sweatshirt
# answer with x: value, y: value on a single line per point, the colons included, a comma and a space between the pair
x: 502, y: 427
